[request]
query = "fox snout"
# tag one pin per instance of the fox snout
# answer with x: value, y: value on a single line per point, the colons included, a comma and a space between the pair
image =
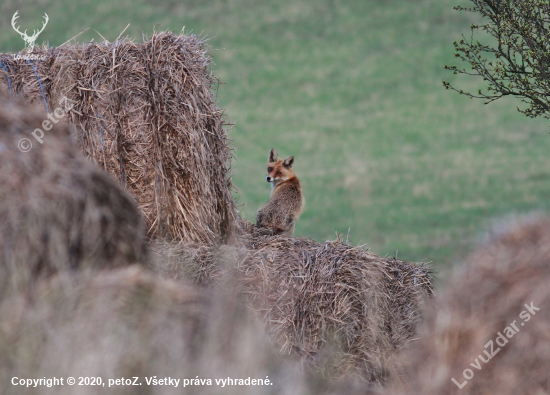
x: 268, y: 179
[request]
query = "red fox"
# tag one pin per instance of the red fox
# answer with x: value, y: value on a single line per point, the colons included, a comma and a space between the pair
x: 286, y: 203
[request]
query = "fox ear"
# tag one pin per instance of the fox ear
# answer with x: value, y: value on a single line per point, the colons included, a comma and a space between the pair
x: 273, y: 157
x: 288, y: 162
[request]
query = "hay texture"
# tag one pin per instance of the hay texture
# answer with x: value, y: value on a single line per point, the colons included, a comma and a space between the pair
x: 129, y: 323
x: 58, y: 211
x: 146, y: 113
x: 339, y: 308
x: 469, y: 334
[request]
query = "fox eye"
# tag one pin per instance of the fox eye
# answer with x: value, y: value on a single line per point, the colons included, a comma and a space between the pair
x: 279, y: 172
x: 270, y: 169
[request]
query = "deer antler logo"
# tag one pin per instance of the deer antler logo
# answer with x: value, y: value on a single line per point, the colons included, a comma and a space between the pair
x: 29, y: 40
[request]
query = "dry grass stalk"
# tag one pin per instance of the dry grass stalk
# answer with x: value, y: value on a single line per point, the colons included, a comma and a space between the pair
x: 58, y: 211
x: 481, y: 300
x: 340, y: 308
x: 145, y: 112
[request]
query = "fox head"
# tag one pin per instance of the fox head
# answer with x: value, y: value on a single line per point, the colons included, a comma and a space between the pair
x: 279, y: 170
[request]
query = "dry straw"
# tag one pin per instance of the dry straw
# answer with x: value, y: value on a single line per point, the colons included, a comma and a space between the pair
x: 58, y: 211
x: 145, y: 112
x: 341, y: 309
x: 460, y: 339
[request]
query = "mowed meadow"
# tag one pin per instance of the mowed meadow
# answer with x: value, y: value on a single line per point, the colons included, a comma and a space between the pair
x: 353, y: 90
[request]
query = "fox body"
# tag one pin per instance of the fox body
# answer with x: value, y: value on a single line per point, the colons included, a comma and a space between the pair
x: 286, y: 203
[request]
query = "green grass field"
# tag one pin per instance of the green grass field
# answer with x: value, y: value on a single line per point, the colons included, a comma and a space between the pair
x: 353, y: 90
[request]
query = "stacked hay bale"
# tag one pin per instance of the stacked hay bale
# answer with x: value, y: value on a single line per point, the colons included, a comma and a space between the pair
x: 146, y: 113
x: 488, y: 331
x: 341, y: 309
x: 58, y: 211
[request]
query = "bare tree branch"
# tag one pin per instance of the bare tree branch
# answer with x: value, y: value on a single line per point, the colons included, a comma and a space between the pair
x: 516, y: 61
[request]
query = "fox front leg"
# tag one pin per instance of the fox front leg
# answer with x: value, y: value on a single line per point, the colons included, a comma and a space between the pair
x: 259, y: 218
x: 290, y: 223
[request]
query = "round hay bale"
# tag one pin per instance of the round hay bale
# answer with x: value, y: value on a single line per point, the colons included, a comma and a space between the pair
x: 128, y: 323
x: 485, y: 333
x: 145, y: 112
x: 341, y: 309
x: 58, y: 211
